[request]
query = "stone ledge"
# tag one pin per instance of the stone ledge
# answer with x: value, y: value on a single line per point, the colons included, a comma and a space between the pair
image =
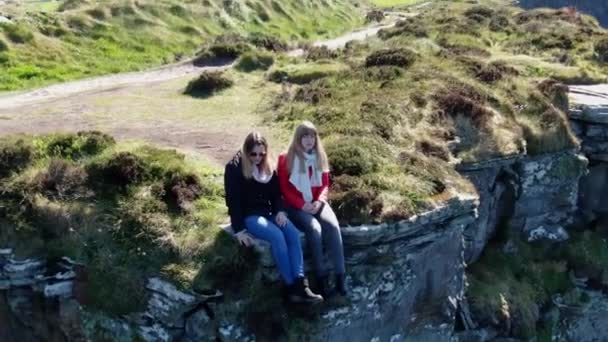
x: 590, y: 113
x: 490, y: 163
x: 414, y: 228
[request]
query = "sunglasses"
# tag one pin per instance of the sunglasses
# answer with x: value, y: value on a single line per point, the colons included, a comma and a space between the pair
x: 254, y: 154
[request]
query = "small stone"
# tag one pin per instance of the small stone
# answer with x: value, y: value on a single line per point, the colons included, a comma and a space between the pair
x: 62, y: 289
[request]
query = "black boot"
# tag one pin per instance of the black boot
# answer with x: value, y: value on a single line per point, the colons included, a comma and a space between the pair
x: 299, y: 292
x: 323, y: 287
x: 341, y: 284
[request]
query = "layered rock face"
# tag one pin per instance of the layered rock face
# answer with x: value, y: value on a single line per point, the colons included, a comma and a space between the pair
x: 536, y: 196
x: 589, y: 119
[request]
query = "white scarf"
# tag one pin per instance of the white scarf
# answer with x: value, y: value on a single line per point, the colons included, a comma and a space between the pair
x: 261, y: 177
x: 302, y: 181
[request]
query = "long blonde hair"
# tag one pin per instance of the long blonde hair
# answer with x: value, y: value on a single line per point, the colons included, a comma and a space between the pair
x: 252, y: 140
x: 295, y: 148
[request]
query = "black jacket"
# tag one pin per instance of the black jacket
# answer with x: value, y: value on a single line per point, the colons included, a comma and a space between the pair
x: 245, y: 197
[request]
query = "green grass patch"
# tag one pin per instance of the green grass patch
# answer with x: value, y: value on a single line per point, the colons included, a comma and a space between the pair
x: 394, y: 3
x: 127, y: 211
x: 83, y: 39
x: 304, y: 73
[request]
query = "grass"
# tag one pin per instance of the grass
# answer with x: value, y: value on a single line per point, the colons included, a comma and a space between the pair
x: 393, y: 3
x: 124, y: 229
x: 98, y: 39
x: 461, y: 82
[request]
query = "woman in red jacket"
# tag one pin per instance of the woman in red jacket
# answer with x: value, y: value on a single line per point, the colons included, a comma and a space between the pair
x: 304, y: 180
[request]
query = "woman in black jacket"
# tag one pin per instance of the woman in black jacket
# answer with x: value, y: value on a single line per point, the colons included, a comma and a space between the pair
x: 255, y: 206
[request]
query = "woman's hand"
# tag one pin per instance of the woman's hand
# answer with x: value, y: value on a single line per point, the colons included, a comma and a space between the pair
x: 308, y: 207
x: 281, y: 218
x: 244, y: 238
x: 316, y: 206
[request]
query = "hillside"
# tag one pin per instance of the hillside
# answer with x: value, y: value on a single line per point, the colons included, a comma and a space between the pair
x: 59, y: 41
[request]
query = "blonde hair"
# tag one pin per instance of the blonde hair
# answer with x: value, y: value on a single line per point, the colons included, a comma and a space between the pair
x: 295, y: 148
x: 252, y: 140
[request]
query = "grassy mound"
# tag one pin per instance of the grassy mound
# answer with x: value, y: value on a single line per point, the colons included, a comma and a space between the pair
x: 208, y: 83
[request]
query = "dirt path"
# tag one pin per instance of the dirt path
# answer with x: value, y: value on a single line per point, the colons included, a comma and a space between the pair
x: 147, y: 106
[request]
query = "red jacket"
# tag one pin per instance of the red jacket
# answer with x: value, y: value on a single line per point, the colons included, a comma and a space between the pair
x: 292, y: 196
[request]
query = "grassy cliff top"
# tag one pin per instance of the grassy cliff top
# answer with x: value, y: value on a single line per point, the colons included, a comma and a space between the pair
x: 460, y: 82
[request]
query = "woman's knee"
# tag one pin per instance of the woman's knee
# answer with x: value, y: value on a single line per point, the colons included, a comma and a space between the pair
x: 292, y: 234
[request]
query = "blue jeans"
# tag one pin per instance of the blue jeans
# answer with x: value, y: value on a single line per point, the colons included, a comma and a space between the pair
x: 321, y: 229
x: 284, y: 244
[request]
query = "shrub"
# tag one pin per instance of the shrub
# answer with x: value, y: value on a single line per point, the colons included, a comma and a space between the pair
x: 432, y: 149
x: 73, y: 146
x: 460, y: 98
x: 267, y: 42
x: 374, y: 15
x: 313, y: 93
x: 493, y: 71
x: 383, y: 73
x: 353, y: 202
x: 356, y: 156
x: 412, y: 27
x: 255, y: 60
x: 557, y: 92
x: 18, y: 33
x: 499, y: 23
x: 208, y: 83
x: 3, y: 45
x: 225, y: 48
x: 397, y: 57
x: 63, y: 180
x: 477, y: 12
x: 14, y: 155
x: 182, y: 190
x: 71, y: 4
x: 123, y: 168
x: 304, y: 73
x: 98, y: 13
x: 315, y: 53
x: 601, y: 49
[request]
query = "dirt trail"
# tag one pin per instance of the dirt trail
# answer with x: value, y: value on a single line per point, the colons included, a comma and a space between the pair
x: 103, y: 103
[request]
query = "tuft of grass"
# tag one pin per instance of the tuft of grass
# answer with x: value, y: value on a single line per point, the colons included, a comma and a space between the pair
x: 18, y: 33
x: 207, y: 84
x: 255, y: 61
x: 304, y: 73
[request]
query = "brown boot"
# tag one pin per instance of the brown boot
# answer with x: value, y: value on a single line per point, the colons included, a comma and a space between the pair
x: 299, y: 292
